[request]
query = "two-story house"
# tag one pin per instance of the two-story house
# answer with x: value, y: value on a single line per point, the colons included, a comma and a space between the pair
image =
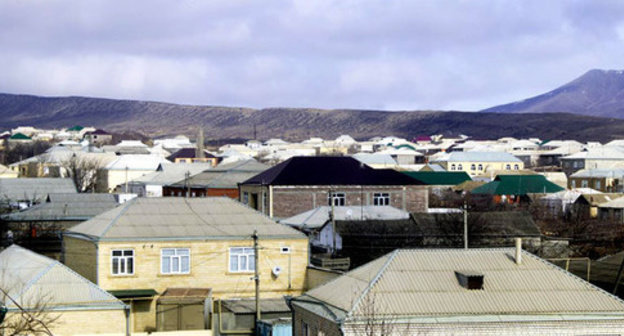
x: 172, y: 258
x: 476, y: 163
x: 304, y: 183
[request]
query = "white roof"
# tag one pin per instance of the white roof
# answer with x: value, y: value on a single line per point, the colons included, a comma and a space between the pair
x: 137, y: 162
x: 603, y: 153
x: 317, y: 217
x: 375, y: 159
x: 613, y: 173
x: 131, y: 143
x: 29, y: 277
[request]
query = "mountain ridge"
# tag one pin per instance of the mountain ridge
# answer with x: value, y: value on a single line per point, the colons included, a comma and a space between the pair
x: 165, y: 119
x: 595, y: 93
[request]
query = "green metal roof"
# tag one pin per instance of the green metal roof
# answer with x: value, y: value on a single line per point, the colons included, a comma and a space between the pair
x: 76, y: 128
x: 405, y: 146
x: 133, y: 293
x: 19, y: 136
x: 439, y: 178
x: 518, y: 185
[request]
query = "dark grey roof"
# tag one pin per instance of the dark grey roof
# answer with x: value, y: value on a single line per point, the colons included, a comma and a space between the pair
x: 329, y: 170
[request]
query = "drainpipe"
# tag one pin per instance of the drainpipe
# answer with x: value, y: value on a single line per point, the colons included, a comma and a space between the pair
x: 127, y: 313
x: 518, y: 257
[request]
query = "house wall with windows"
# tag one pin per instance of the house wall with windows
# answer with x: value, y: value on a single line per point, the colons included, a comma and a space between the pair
x: 207, y: 264
x: 287, y: 201
x: 477, y: 168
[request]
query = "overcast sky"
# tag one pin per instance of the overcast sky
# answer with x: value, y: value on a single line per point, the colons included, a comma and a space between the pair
x: 385, y: 54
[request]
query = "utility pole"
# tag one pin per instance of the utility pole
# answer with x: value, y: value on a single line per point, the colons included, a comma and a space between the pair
x: 126, y: 183
x: 187, y: 176
x: 256, y: 274
x: 465, y: 225
x: 333, y: 222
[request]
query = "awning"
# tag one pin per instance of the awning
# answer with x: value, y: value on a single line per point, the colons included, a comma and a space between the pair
x: 248, y: 306
x: 135, y: 294
x: 185, y: 295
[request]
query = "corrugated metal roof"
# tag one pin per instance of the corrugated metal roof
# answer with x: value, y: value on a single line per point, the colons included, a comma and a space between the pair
x: 423, y: 283
x: 613, y: 173
x: 76, y: 207
x: 29, y: 277
x: 34, y: 188
x: 317, y: 217
x: 603, y: 153
x: 171, y: 173
x: 225, y: 175
x: 137, y: 162
x: 182, y: 218
x: 517, y: 185
x: 375, y: 159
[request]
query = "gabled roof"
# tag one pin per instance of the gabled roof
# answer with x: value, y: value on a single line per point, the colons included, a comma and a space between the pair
x: 439, y: 178
x: 416, y: 284
x: 22, y: 189
x: 602, y: 153
x: 29, y: 277
x: 170, y: 173
x: 136, y: 162
x: 177, y: 218
x: 598, y: 199
x: 613, y: 173
x: 224, y: 176
x: 76, y: 128
x: 19, y: 136
x: 188, y: 153
x: 65, y: 207
x: 99, y: 132
x: 328, y: 170
x: 617, y: 203
x: 518, y: 185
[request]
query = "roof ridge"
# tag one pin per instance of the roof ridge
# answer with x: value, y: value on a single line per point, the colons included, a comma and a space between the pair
x: 373, y: 282
x: 114, y: 221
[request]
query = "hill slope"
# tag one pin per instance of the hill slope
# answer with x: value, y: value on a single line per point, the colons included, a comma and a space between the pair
x: 596, y: 93
x: 159, y: 119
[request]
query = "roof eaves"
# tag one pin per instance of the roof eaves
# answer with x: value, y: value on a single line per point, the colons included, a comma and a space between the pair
x: 372, y: 283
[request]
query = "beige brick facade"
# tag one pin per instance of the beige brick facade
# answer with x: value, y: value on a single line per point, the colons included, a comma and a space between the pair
x: 209, y: 268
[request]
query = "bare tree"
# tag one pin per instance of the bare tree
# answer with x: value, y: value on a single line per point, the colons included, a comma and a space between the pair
x: 83, y: 171
x: 31, y: 315
x: 372, y: 318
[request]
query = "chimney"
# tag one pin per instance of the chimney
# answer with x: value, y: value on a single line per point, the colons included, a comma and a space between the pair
x: 518, y: 251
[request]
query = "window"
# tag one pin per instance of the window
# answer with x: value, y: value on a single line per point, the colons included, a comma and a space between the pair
x: 480, y: 166
x: 473, y: 167
x: 516, y: 167
x: 337, y: 197
x: 575, y: 164
x: 381, y: 199
x: 460, y: 167
x: 175, y: 261
x: 285, y: 249
x: 584, y: 184
x: 242, y: 259
x: 245, y: 198
x: 305, y: 329
x: 122, y: 262
x: 597, y: 184
x: 453, y: 167
x: 573, y: 184
x: 508, y: 167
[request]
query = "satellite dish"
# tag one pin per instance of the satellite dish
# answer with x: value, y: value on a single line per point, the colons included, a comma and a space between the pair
x: 276, y: 271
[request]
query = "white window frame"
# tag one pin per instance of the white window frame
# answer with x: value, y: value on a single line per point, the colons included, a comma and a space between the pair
x: 516, y: 167
x: 244, y: 254
x: 573, y: 184
x: 245, y: 197
x: 584, y: 184
x: 480, y: 167
x: 508, y: 167
x: 339, y: 198
x: 453, y: 166
x: 597, y: 184
x: 122, y: 260
x: 473, y: 167
x: 380, y: 199
x: 177, y: 255
x: 460, y: 167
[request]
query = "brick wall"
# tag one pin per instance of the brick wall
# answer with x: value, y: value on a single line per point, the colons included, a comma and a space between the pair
x: 290, y: 201
x: 314, y: 323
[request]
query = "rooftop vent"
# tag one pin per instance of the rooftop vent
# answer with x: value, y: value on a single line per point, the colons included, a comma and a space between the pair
x: 469, y: 280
